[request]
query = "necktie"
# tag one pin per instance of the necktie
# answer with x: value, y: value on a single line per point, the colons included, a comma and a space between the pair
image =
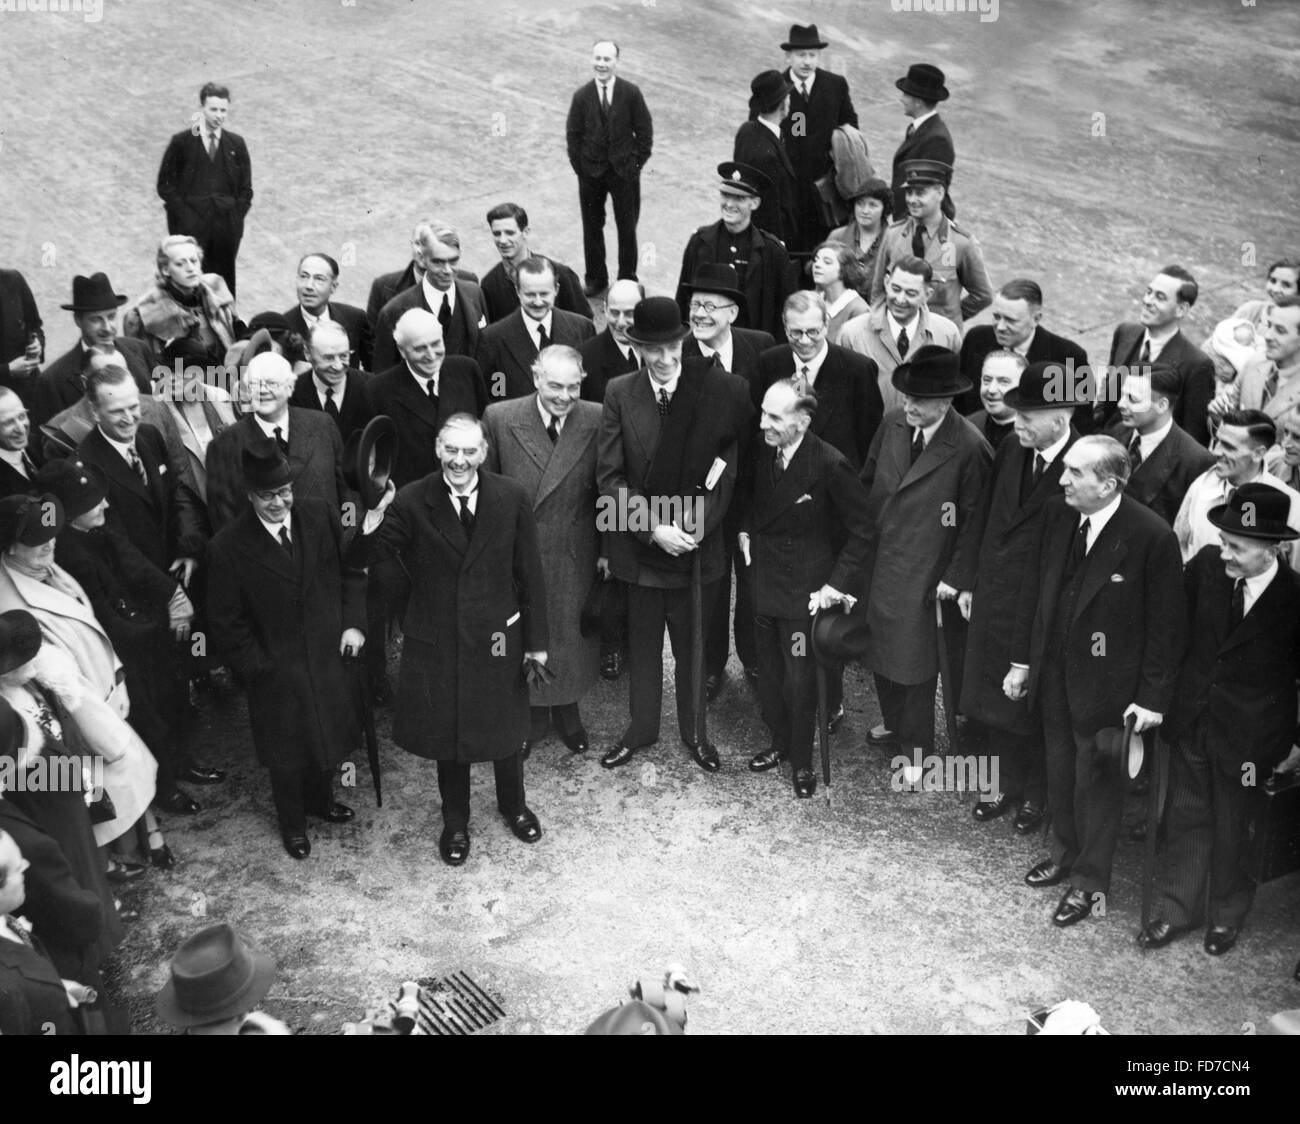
x: 1238, y: 609
x: 137, y: 465
x: 1145, y: 357
x: 28, y: 467
x: 918, y: 242
x: 903, y: 343
x: 444, y: 312
x: 431, y: 389
x: 604, y: 98
x: 1079, y: 547
x: 1270, y: 386
x: 466, y: 516
x: 918, y: 445
x: 19, y: 930
x: 543, y: 340
x: 1039, y: 466
x: 285, y: 540
x: 778, y: 465
x: 280, y: 440
x: 911, y: 128
x: 805, y: 372
x: 1029, y: 476
x: 1135, y: 452
x: 553, y: 430
x: 664, y: 402
x: 803, y: 89
x: 331, y: 407
x: 212, y: 147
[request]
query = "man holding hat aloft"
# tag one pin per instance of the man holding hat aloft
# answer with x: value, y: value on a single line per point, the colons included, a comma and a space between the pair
x: 923, y: 231
x: 284, y: 612
x: 757, y: 256
x: 1233, y: 717
x: 758, y: 144
x: 924, y: 475
x: 921, y: 90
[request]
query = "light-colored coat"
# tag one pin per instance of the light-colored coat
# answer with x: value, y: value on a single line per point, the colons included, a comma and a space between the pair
x: 560, y: 481
x: 870, y: 335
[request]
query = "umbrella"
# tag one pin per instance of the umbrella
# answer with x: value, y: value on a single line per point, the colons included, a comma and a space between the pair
x: 945, y: 673
x: 1156, y: 785
x: 361, y: 691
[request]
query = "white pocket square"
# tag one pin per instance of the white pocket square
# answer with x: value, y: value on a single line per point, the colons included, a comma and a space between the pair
x: 1117, y: 577
x: 805, y: 498
x: 512, y: 620
x: 161, y: 469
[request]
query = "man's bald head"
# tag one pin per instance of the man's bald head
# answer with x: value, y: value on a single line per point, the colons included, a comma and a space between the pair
x: 418, y: 336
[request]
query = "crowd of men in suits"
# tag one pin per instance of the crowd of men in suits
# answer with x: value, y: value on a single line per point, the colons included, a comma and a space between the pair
x: 1098, y: 548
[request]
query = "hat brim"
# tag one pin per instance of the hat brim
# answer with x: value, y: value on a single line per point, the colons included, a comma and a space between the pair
x: 732, y: 294
x: 820, y: 45
x: 941, y: 94
x: 1217, y: 516
x: 727, y: 187
x: 245, y: 999
x: 98, y: 306
x: 838, y: 636
x: 1012, y: 400
x: 369, y: 464
x: 659, y: 337
x: 901, y: 380
x: 769, y: 102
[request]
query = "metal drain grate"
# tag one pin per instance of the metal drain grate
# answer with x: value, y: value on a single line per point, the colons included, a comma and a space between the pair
x: 453, y: 1004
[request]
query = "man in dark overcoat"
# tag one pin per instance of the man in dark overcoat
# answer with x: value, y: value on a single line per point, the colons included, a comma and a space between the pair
x: 759, y: 144
x: 283, y: 612
x: 476, y: 619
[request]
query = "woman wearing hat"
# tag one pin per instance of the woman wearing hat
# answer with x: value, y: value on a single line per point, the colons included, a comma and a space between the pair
x: 184, y: 301
x: 863, y: 232
x: 839, y: 279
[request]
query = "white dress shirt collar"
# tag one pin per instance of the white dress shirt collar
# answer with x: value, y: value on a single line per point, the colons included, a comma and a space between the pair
x: 322, y: 387
x: 16, y: 459
x: 422, y: 382
x: 269, y: 428
x: 670, y: 386
x: 273, y: 529
x: 1256, y: 586
x: 1148, y: 443
x: 726, y: 353
x: 434, y: 296
x: 1054, y: 449
x: 917, y: 121
x: 814, y: 364
x: 548, y: 417
x: 1098, y: 519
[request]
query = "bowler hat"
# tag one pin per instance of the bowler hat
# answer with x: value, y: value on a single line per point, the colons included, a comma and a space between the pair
x: 602, y: 609
x: 214, y: 976
x: 925, y: 171
x: 1256, y: 511
x: 657, y: 320
x: 30, y: 520
x: 1043, y: 386
x: 20, y: 639
x: 265, y: 467
x: 741, y: 179
x: 79, y: 487
x: 368, y: 459
x: 1122, y: 749
x: 803, y: 39
x: 768, y: 90
x: 714, y: 277
x: 839, y: 636
x: 93, y: 294
x: 934, y: 372
x: 923, y: 81
x: 632, y: 1017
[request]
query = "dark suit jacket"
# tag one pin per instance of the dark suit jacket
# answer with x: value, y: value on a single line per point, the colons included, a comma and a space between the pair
x: 178, y: 181
x: 829, y: 107
x: 1161, y: 481
x: 768, y: 280
x: 806, y: 530
x: 32, y: 997
x: 396, y: 393
x: 356, y: 400
x: 1240, y: 680
x: 13, y: 482
x: 19, y: 318
x: 469, y: 309
x: 387, y: 285
x: 747, y: 345
x: 315, y: 448
x: 1131, y: 603
x: 351, y: 319
x: 602, y: 360
x: 164, y: 520
x: 991, y: 431
x: 60, y: 385
x: 849, y: 406
x: 1196, y: 368
x: 622, y: 143
x: 757, y: 146
x: 500, y: 297
x: 929, y: 141
x: 1045, y: 347
x: 506, y: 348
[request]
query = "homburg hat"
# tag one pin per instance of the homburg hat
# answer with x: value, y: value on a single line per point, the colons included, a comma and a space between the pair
x: 93, y: 294
x: 215, y: 976
x: 1256, y: 511
x: 923, y: 81
x: 934, y: 372
x: 368, y: 459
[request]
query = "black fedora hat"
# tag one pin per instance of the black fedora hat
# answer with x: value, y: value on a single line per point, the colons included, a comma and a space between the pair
x: 768, y: 90
x: 20, y: 639
x: 924, y: 81
x: 368, y: 459
x: 741, y: 179
x: 1043, y: 386
x: 78, y: 486
x: 657, y: 320
x: 1255, y: 511
x: 803, y: 39
x: 93, y: 294
x: 714, y: 277
x: 214, y: 976
x: 839, y: 636
x: 265, y: 466
x: 30, y: 520
x: 934, y: 372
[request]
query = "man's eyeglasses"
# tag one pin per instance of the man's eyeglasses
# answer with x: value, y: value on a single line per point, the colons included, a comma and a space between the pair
x: 285, y: 493
x: 805, y: 333
x: 708, y: 306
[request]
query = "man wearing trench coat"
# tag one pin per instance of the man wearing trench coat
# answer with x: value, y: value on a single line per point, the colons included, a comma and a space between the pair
x: 547, y: 443
x: 477, y: 610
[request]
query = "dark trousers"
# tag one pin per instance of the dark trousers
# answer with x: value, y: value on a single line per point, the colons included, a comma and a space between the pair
x: 297, y: 792
x: 1084, y: 796
x: 453, y: 785
x: 216, y: 235
x: 787, y: 686
x: 649, y: 609
x: 716, y: 643
x: 1201, y: 876
x: 565, y: 716
x: 613, y: 628
x: 1022, y: 769
x: 626, y: 197
x: 907, y: 710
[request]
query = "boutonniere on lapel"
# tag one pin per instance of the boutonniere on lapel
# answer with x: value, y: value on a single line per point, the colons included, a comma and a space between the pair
x: 162, y: 470
x: 805, y: 498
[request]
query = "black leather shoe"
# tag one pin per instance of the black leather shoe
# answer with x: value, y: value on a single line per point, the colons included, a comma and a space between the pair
x: 713, y: 685
x: 706, y: 757
x: 1219, y: 939
x: 201, y: 774
x: 454, y: 847
x: 837, y: 717
x: 180, y: 804
x: 298, y: 846
x: 805, y: 783
x: 1158, y: 934
x: 1030, y: 817
x: 880, y: 738
x: 525, y: 827
x: 121, y: 871
x: 620, y: 755
x: 611, y: 665
x: 1045, y: 873
x: 577, y: 741
x: 986, y: 810
x: 768, y: 759
x: 337, y: 813
x: 162, y: 857
x: 1074, y: 907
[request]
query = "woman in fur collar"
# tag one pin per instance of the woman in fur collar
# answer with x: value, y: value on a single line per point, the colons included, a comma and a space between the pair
x: 184, y: 302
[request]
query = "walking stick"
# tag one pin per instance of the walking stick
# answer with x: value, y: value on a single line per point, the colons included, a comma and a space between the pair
x: 945, y: 673
x: 697, y: 649
x: 823, y: 728
x: 1155, y: 799
x: 362, y: 693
